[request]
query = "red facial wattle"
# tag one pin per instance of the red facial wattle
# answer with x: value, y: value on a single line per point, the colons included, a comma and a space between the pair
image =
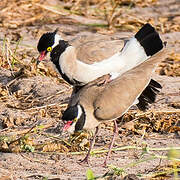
x: 42, y: 55
x: 67, y: 125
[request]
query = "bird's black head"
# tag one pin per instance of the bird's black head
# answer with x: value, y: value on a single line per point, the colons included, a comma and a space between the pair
x: 47, y: 42
x: 70, y: 113
x: 74, y: 118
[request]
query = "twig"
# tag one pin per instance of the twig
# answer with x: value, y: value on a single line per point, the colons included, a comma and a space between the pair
x: 8, y: 50
x: 160, y: 173
x: 133, y: 163
x: 166, y: 157
x: 56, y: 138
x: 126, y: 148
x: 20, y: 44
x: 52, y: 9
x: 29, y: 130
x: 30, y: 159
x: 162, y: 111
x: 51, y: 96
x: 48, y: 105
x: 24, y: 134
x: 144, y: 160
x: 24, y: 131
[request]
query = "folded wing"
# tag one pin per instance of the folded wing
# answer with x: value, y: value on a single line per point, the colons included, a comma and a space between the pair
x: 120, y: 94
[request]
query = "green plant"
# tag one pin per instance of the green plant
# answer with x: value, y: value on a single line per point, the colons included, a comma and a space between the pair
x: 90, y: 175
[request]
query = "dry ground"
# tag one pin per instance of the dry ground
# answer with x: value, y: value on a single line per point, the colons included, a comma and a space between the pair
x: 32, y: 98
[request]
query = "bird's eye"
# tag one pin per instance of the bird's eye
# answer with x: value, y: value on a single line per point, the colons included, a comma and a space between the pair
x: 49, y: 49
x: 75, y: 119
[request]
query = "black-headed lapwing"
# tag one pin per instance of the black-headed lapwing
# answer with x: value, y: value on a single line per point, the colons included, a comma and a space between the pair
x: 97, y: 103
x: 82, y: 63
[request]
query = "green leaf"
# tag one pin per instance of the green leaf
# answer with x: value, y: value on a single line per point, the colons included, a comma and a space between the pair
x: 40, y: 126
x: 29, y: 148
x: 173, y: 153
x: 45, y: 178
x: 89, y: 174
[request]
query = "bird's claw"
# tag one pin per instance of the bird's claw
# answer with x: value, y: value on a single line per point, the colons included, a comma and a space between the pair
x: 84, y: 161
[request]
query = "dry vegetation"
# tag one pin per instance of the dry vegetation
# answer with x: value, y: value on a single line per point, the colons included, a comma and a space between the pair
x: 30, y: 115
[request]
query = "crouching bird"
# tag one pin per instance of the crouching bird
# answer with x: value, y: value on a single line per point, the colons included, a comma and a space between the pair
x: 96, y: 103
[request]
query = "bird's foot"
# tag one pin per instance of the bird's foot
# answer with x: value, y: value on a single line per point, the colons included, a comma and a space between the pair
x: 105, y: 162
x: 104, y: 165
x: 84, y: 161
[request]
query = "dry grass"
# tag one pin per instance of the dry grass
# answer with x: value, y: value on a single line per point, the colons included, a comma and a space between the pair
x: 170, y: 66
x: 35, y: 138
x: 116, y: 13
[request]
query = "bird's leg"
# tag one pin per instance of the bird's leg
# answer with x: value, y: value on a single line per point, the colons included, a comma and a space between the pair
x: 92, y: 141
x: 112, y: 142
x: 107, y: 80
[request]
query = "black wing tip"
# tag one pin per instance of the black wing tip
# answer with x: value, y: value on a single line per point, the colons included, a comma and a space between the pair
x: 149, y: 38
x: 155, y: 84
x: 144, y: 31
x: 142, y: 105
x: 148, y: 96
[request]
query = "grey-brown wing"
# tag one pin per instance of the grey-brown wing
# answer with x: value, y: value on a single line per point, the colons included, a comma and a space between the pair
x: 97, y: 48
x: 120, y: 93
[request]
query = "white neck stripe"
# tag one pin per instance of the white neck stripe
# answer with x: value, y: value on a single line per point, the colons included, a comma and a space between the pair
x: 57, y: 38
x: 79, y: 111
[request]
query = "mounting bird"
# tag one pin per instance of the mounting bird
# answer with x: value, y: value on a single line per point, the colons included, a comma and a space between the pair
x: 96, y: 103
x: 84, y: 61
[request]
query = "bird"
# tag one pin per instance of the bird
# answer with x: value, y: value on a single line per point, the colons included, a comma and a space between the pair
x: 82, y: 62
x: 98, y: 102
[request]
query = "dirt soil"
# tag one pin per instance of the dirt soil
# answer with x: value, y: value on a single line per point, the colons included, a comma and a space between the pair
x: 32, y: 99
